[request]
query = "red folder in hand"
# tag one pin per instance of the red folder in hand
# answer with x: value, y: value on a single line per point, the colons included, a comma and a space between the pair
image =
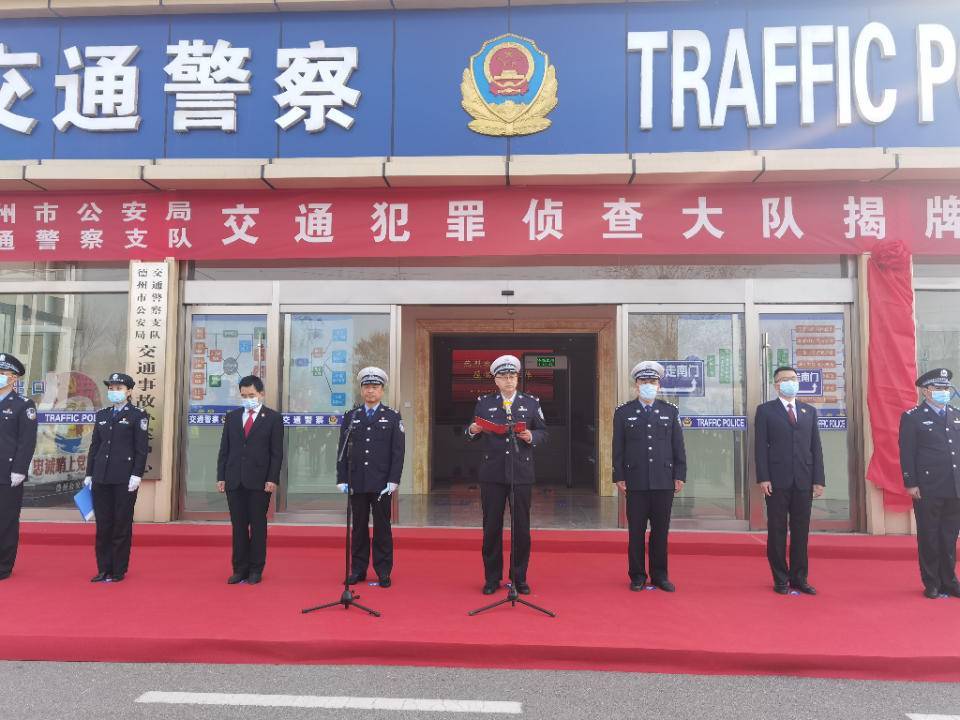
x: 520, y: 427
x: 488, y: 426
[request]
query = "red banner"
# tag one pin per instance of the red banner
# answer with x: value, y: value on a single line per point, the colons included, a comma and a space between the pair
x: 891, y: 366
x: 657, y: 220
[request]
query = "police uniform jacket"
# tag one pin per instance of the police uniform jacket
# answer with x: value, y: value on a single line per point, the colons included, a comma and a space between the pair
x: 648, y: 449
x: 498, y: 449
x: 377, y: 448
x: 119, y: 446
x: 18, y: 435
x: 250, y: 461
x: 929, y: 447
x: 786, y: 454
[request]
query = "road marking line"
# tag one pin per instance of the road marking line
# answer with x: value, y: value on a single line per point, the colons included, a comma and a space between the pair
x: 333, y: 702
x: 915, y: 716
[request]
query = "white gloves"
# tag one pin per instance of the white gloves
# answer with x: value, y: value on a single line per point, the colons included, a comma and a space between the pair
x: 389, y: 489
x: 343, y: 487
x: 16, y: 479
x: 88, y: 482
x: 133, y: 484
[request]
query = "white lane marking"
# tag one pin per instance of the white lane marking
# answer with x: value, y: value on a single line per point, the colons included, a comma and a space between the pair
x: 333, y: 702
x: 915, y: 716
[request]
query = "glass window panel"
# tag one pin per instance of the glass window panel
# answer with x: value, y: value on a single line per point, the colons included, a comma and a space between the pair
x: 12, y: 271
x: 703, y: 352
x: 69, y: 344
x: 816, y: 344
x: 223, y: 349
x: 324, y: 352
x: 938, y: 330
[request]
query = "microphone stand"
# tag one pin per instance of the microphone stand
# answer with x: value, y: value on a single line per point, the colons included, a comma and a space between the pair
x: 513, y: 597
x: 348, y: 598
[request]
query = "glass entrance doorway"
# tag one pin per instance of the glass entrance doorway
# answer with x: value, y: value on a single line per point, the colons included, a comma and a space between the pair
x: 561, y: 371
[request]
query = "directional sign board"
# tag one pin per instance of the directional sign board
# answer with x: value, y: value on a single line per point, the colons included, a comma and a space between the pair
x: 811, y: 383
x: 682, y: 377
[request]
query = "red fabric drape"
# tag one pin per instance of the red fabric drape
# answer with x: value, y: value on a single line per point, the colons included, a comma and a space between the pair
x: 891, y: 364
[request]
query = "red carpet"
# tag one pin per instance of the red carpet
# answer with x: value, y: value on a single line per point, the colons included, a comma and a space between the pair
x: 869, y: 621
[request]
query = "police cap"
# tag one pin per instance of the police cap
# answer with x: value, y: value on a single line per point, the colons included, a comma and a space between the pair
x: 372, y: 376
x: 937, y: 376
x: 647, y: 370
x: 9, y: 362
x: 505, y: 364
x: 120, y: 379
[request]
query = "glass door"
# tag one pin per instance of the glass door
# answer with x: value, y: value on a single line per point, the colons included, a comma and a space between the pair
x: 703, y: 355
x: 813, y: 339
x: 322, y: 353
x: 223, y: 345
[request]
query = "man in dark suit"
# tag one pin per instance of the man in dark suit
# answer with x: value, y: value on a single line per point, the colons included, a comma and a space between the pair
x: 789, y: 461
x: 115, y: 466
x: 371, y: 474
x: 248, y: 470
x: 18, y: 440
x: 492, y: 416
x: 929, y: 440
x: 650, y: 467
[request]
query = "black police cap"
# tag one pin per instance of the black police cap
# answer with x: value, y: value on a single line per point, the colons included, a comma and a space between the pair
x: 937, y: 376
x: 9, y: 362
x: 121, y: 378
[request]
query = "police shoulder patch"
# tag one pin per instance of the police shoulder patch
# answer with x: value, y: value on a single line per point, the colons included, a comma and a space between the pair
x: 143, y: 423
x: 31, y: 413
x: 400, y: 425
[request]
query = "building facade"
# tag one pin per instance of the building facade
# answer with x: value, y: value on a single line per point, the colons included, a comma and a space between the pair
x: 195, y: 191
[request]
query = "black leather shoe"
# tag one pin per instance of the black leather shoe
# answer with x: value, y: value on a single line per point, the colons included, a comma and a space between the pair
x: 118, y: 577
x: 100, y: 577
x: 523, y: 588
x: 491, y: 588
x: 931, y: 593
x: 236, y: 578
x: 665, y: 585
x: 385, y: 581
x: 805, y: 588
x: 951, y: 590
x: 254, y: 579
x: 637, y: 585
x: 780, y: 589
x: 354, y: 578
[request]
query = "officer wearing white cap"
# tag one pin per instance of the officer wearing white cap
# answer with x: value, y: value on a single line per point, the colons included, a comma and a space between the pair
x: 375, y: 466
x: 115, y: 466
x: 650, y: 467
x: 492, y: 416
x: 929, y: 459
x: 18, y: 440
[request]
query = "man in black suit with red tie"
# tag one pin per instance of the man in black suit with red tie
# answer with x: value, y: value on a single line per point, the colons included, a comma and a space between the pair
x: 248, y: 470
x: 790, y: 472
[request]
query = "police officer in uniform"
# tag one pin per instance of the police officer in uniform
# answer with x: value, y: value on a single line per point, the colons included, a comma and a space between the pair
x: 650, y: 466
x: 500, y: 463
x: 115, y: 465
x: 930, y: 461
x: 375, y: 465
x: 18, y: 439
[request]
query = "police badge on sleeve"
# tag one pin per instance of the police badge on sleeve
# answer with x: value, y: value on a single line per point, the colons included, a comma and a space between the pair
x: 509, y: 87
x: 143, y: 423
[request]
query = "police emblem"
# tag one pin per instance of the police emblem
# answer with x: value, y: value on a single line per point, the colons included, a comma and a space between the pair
x: 143, y: 424
x: 31, y: 414
x: 509, y: 87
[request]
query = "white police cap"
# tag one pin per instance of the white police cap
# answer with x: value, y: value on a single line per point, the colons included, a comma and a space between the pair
x: 372, y: 376
x: 505, y: 364
x: 647, y: 370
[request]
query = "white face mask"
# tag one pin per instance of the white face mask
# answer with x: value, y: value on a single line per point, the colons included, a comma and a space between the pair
x: 648, y: 391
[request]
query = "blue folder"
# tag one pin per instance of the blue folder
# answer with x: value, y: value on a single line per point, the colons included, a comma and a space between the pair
x: 84, y: 502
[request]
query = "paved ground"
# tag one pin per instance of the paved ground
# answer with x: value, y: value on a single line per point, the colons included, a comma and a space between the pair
x: 76, y: 691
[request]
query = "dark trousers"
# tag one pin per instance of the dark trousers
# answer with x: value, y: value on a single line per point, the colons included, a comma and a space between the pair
x: 248, y: 516
x: 113, y: 506
x: 653, y: 506
x: 11, y: 500
x: 494, y: 498
x: 361, y: 505
x: 938, y: 524
x: 788, y: 507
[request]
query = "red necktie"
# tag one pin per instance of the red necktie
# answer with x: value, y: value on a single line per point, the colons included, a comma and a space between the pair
x: 791, y: 415
x: 248, y: 424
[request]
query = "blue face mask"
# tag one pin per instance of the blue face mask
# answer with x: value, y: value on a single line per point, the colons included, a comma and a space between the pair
x: 250, y: 403
x: 648, y: 391
x: 4, y: 379
x: 116, y: 396
x: 941, y: 397
x: 789, y: 388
